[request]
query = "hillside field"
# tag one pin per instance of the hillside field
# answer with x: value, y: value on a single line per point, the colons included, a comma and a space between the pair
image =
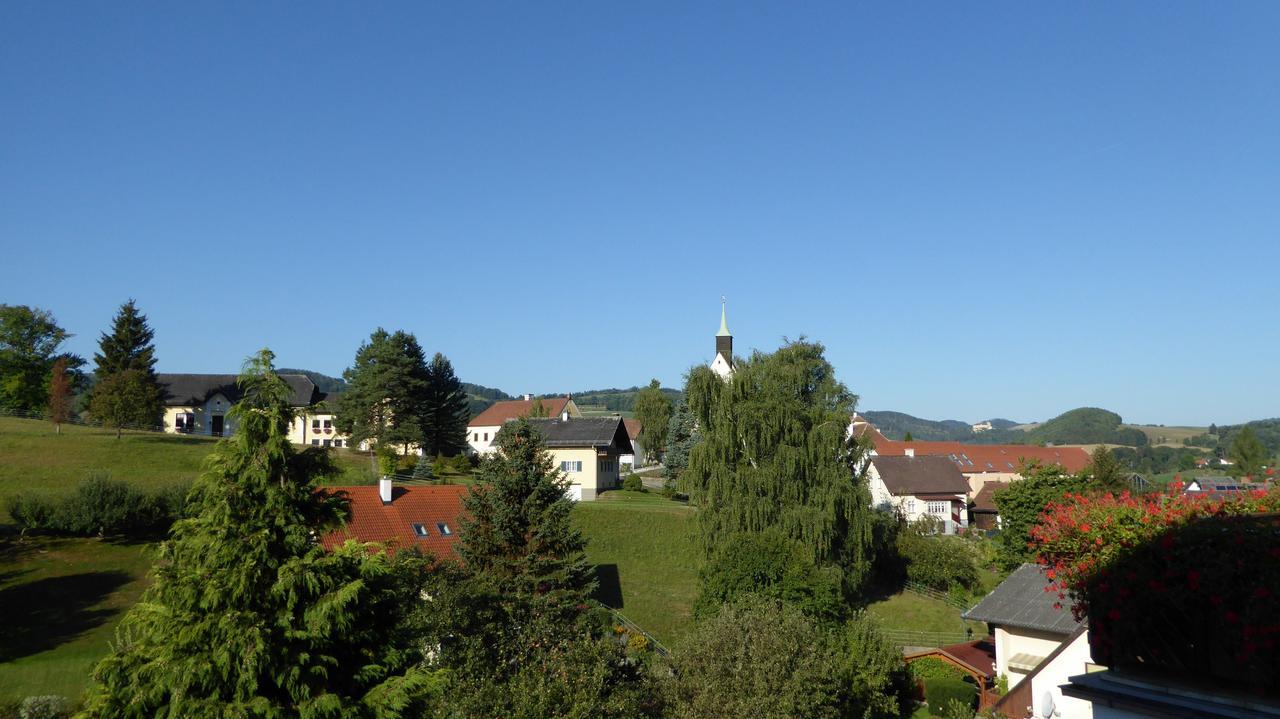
x: 1168, y: 436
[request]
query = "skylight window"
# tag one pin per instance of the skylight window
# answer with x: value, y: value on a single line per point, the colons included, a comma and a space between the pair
x: 444, y: 529
x: 420, y: 529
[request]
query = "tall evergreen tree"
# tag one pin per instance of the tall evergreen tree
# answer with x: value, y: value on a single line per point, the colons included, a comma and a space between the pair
x: 387, y: 388
x: 445, y: 411
x: 682, y: 435
x: 30, y: 339
x: 653, y: 409
x: 60, y: 394
x: 248, y: 615
x: 1106, y: 472
x: 775, y: 454
x: 127, y: 393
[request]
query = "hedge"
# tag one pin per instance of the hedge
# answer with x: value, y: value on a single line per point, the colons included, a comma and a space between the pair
x: 938, y: 692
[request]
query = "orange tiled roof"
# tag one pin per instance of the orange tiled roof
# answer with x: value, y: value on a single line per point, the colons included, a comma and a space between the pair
x: 633, y: 427
x: 500, y: 412
x: 978, y: 458
x: 392, y: 524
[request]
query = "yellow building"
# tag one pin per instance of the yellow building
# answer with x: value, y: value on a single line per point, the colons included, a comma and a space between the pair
x: 586, y: 451
x: 198, y: 404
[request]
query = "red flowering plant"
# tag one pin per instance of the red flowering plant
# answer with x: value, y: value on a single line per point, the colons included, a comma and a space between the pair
x: 1170, y: 582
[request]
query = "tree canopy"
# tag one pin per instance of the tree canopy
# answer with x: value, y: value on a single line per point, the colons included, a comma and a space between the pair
x: 1248, y: 453
x: 775, y: 453
x: 682, y: 435
x: 248, y: 615
x: 30, y: 340
x: 653, y: 409
x: 445, y: 410
x: 127, y: 392
x: 386, y: 391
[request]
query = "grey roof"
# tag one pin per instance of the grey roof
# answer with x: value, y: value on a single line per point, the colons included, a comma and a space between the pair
x: 1021, y: 601
x: 594, y: 432
x: 920, y: 475
x: 184, y: 390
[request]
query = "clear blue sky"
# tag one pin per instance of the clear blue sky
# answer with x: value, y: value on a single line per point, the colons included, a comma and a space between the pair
x: 995, y: 209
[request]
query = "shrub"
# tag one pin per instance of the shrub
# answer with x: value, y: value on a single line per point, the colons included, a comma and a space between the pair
x: 937, y: 562
x: 423, y: 469
x: 101, y: 506
x: 633, y: 483
x: 928, y: 669
x: 770, y: 564
x: 461, y: 464
x: 957, y: 709
x: 938, y: 693
x: 42, y: 707
x: 32, y: 510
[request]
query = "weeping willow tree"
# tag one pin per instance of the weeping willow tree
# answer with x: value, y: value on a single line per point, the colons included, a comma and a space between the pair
x: 775, y: 454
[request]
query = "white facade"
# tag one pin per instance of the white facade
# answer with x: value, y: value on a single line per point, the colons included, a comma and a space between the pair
x: 1046, y: 685
x: 1020, y: 651
x: 721, y: 366
x: 480, y: 438
x: 207, y: 420
x: 949, y: 510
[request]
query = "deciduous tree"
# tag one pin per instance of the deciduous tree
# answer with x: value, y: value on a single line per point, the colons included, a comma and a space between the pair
x: 125, y: 399
x: 1021, y: 504
x: 30, y: 339
x: 1248, y: 453
x: 1105, y: 472
x: 60, y: 395
x: 775, y: 454
x: 248, y: 615
x: 653, y: 409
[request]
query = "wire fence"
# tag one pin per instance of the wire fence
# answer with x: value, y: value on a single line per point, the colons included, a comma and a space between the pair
x: 636, y: 629
x: 931, y: 593
x: 77, y: 420
x: 909, y: 638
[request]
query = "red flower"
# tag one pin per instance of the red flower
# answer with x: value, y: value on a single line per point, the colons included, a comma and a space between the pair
x: 1231, y: 617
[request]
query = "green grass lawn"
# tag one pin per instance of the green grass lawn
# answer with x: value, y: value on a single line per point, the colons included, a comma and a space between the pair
x: 648, y: 563
x: 61, y: 600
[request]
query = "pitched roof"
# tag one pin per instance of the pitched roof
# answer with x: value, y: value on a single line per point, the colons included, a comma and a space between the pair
x: 392, y: 524
x: 633, y: 427
x: 594, y: 432
x: 1021, y: 601
x: 978, y: 458
x: 501, y: 412
x: 985, y: 499
x: 920, y: 475
x: 182, y: 390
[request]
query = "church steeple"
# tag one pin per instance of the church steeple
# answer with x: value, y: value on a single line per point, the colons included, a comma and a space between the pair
x: 723, y: 363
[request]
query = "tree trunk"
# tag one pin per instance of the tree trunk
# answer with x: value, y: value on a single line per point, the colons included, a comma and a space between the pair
x: 57, y: 428
x: 117, y: 431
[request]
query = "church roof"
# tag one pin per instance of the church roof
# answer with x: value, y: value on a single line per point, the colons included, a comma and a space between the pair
x: 724, y: 323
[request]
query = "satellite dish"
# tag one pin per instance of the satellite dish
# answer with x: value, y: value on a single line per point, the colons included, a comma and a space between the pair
x: 1046, y: 705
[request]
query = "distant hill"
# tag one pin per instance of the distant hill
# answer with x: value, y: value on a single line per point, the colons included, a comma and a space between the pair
x: 1086, y: 425
x: 896, y: 425
x: 324, y: 382
x: 614, y: 399
x: 480, y: 397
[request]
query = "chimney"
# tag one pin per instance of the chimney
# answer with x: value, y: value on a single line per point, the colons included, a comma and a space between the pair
x: 909, y: 451
x: 527, y: 397
x: 564, y: 416
x: 384, y: 489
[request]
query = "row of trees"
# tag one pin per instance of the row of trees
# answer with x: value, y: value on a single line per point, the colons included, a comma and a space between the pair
x: 396, y: 397
x: 36, y: 376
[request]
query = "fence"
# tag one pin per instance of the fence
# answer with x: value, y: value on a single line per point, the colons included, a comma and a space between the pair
x: 75, y: 420
x: 931, y: 593
x: 908, y: 638
x: 635, y: 628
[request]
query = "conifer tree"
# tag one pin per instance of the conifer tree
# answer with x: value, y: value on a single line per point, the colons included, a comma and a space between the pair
x: 127, y: 393
x: 59, y: 395
x: 387, y: 388
x: 423, y: 469
x: 775, y: 453
x: 248, y: 615
x: 682, y: 435
x: 445, y: 411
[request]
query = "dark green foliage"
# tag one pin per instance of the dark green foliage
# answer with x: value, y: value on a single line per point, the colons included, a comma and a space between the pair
x: 682, y: 435
x: 940, y: 692
x: 1248, y: 453
x: 1087, y: 425
x: 774, y: 454
x: 444, y: 411
x: 877, y: 684
x: 126, y: 392
x: 29, y: 343
x: 908, y: 438
x: 930, y: 669
x: 1154, y: 460
x: 129, y: 345
x: 248, y: 615
x: 480, y: 398
x: 896, y: 425
x: 387, y: 388
x: 770, y: 565
x: 100, y: 506
x: 615, y: 400
x: 653, y: 409
x: 1021, y: 504
x: 1106, y: 473
x: 936, y: 561
x: 323, y: 382
x: 633, y: 483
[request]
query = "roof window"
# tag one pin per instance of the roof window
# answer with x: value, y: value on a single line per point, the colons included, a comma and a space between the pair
x: 444, y: 529
x: 420, y: 529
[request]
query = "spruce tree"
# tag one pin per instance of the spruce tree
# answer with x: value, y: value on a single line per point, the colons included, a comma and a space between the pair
x: 445, y: 411
x: 682, y: 435
x: 387, y: 388
x: 775, y: 453
x: 248, y: 615
x: 423, y: 471
x: 127, y: 393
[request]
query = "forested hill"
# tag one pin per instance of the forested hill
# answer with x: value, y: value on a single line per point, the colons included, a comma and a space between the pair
x: 614, y: 400
x: 1086, y: 425
x: 480, y: 397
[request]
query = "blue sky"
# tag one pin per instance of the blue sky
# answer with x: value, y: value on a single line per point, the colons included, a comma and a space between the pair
x: 998, y: 209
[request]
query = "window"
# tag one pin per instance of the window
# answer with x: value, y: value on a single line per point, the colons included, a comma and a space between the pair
x: 607, y: 465
x: 475, y: 437
x: 328, y: 443
x: 486, y: 436
x: 570, y: 466
x: 420, y: 529
x: 942, y: 509
x: 443, y: 529
x: 328, y: 424
x: 910, y: 506
x: 315, y: 425
x: 315, y: 443
x: 337, y: 443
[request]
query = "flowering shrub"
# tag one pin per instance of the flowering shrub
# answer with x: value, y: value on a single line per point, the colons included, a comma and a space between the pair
x: 1186, y: 584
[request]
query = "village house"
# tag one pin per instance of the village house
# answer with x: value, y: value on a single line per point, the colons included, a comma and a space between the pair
x: 983, y: 513
x: 1026, y: 626
x: 422, y: 517
x: 587, y: 451
x: 638, y: 457
x: 920, y: 487
x: 197, y: 404
x: 483, y: 428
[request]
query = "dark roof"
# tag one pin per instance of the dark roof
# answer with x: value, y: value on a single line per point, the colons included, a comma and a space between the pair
x: 392, y: 524
x: 500, y: 412
x: 594, y: 432
x: 920, y: 475
x: 182, y: 390
x: 1021, y: 601
x: 985, y: 499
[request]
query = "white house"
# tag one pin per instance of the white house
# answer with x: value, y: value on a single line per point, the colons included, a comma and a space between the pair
x: 919, y: 487
x: 483, y: 428
x: 198, y: 404
x: 1040, y: 696
x: 638, y: 457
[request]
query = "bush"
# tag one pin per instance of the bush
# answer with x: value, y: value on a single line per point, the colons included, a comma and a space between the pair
x: 769, y: 564
x: 937, y: 562
x: 461, y: 464
x: 633, y: 483
x: 32, y: 510
x: 928, y: 669
x: 423, y: 470
x: 938, y: 693
x: 42, y: 707
x: 100, y: 506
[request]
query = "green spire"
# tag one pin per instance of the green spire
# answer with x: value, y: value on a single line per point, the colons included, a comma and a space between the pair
x: 724, y: 324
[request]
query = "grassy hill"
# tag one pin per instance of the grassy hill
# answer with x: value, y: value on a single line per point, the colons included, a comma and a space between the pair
x: 1086, y: 425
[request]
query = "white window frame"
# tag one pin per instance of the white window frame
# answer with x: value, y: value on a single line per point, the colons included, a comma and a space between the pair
x: 910, y: 506
x: 939, y: 508
x: 571, y: 466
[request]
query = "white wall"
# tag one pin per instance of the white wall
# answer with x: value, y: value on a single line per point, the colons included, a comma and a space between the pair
x: 912, y: 507
x: 480, y: 438
x: 1012, y: 640
x: 1051, y: 677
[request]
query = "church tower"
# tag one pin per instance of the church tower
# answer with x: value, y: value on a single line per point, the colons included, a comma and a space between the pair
x: 723, y: 363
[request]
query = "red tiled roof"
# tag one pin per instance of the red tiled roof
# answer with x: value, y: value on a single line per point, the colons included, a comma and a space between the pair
x: 978, y: 458
x: 500, y: 412
x: 392, y: 524
x: 633, y: 427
